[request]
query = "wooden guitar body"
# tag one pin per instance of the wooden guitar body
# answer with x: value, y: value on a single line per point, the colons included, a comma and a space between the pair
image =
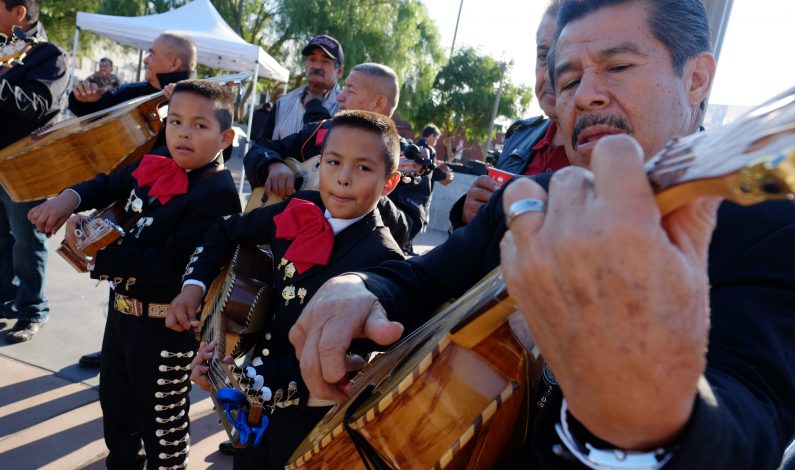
x: 43, y: 164
x: 235, y: 314
x: 239, y: 300
x: 451, y: 395
x: 100, y: 230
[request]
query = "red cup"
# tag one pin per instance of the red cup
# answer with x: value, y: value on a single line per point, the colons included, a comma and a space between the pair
x: 500, y: 176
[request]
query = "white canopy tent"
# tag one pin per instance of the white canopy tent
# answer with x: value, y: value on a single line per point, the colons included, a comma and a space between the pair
x: 217, y: 45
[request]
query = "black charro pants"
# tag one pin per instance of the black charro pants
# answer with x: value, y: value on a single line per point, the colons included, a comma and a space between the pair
x: 143, y: 390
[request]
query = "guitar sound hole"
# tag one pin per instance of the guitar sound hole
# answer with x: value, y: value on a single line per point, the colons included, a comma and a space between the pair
x: 771, y: 187
x: 300, y: 180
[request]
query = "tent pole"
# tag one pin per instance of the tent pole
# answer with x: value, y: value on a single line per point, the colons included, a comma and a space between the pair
x: 248, y: 128
x: 74, y: 49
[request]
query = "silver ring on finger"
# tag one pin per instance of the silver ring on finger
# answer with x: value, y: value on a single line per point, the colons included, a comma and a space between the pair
x: 523, y: 206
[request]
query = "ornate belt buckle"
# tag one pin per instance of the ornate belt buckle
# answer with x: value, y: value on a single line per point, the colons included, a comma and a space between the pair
x: 120, y: 304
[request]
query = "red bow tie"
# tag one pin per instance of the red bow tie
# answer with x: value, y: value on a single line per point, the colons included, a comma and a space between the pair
x: 312, y: 235
x: 164, y: 175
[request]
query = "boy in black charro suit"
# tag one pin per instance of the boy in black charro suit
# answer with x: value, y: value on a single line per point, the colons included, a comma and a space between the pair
x: 144, y: 367
x: 314, y: 236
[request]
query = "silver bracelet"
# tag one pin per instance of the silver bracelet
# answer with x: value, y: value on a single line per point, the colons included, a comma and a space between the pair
x: 608, y: 459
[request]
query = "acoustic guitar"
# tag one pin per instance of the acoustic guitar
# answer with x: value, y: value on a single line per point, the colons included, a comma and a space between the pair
x: 456, y: 392
x: 95, y: 233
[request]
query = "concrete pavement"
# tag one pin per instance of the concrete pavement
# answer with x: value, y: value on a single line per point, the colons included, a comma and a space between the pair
x: 49, y: 411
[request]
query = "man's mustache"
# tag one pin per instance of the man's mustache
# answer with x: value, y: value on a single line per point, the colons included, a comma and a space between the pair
x: 320, y: 72
x: 588, y: 120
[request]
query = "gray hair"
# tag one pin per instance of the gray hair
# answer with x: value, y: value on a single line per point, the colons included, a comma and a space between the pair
x: 182, y: 47
x: 387, y: 77
x: 681, y: 25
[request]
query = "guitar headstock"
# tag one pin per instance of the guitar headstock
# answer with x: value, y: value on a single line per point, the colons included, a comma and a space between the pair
x: 748, y: 161
x: 15, y: 48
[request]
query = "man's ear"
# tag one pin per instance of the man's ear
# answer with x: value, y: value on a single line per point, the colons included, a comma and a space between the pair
x: 381, y: 105
x: 176, y: 64
x: 392, y: 181
x: 340, y: 71
x: 227, y: 137
x: 20, y: 13
x: 700, y: 72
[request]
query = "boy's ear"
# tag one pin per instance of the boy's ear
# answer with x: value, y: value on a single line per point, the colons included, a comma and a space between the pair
x: 392, y: 181
x: 227, y: 137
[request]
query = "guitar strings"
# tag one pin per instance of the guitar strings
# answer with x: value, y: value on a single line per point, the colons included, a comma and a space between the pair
x: 763, y: 131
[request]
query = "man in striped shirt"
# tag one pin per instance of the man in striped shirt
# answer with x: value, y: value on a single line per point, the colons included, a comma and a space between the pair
x: 323, y: 68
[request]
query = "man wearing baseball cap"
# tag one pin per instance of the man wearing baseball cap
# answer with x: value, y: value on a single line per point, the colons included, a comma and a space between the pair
x: 322, y: 68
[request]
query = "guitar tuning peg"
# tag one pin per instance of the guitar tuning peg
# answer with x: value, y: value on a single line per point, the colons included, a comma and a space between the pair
x: 256, y: 362
x: 251, y: 372
x: 259, y: 381
x: 266, y: 393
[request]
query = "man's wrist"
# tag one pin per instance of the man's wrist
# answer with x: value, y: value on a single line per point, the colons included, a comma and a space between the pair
x: 584, y: 448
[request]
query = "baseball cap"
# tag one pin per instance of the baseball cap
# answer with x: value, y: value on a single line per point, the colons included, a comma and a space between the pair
x: 328, y: 44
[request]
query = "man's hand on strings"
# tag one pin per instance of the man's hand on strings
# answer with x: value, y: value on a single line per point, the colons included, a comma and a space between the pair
x: 341, y: 310
x: 614, y: 294
x: 88, y: 92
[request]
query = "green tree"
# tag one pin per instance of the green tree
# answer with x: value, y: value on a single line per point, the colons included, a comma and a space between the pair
x: 464, y: 92
x: 252, y: 20
x: 397, y: 33
x: 58, y: 18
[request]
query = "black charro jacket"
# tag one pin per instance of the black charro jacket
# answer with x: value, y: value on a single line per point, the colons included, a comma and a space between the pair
x: 148, y: 262
x: 364, y: 243
x: 34, y: 92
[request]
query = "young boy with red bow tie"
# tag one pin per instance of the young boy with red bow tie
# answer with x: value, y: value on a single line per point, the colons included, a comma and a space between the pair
x: 314, y: 236
x: 144, y: 365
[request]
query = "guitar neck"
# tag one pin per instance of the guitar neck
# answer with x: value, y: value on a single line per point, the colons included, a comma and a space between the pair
x: 748, y: 161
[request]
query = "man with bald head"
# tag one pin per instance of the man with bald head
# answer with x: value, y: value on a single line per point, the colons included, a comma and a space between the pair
x: 171, y: 58
x: 667, y: 344
x: 368, y: 87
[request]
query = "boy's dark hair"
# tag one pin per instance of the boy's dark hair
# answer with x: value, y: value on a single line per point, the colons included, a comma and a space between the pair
x: 216, y: 93
x: 32, y: 6
x: 430, y: 130
x: 105, y: 59
x: 376, y: 123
